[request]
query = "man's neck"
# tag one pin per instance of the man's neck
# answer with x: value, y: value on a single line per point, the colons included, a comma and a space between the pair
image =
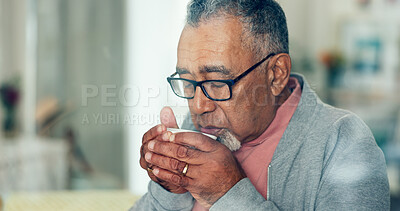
x: 283, y: 96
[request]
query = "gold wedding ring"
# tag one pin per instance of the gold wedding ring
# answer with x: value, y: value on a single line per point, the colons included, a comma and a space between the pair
x: 185, y: 169
x: 149, y: 170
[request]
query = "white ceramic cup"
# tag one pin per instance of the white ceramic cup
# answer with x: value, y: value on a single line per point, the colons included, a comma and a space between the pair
x: 176, y: 130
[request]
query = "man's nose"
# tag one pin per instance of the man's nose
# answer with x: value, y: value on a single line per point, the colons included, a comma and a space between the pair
x: 202, y: 104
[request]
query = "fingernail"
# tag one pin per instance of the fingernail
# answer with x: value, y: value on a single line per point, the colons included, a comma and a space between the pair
x: 156, y: 171
x: 151, y: 145
x: 172, y: 138
x: 166, y: 136
x: 147, y: 156
x: 160, y: 129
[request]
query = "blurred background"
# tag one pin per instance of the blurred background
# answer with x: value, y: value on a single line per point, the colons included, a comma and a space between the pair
x: 82, y: 80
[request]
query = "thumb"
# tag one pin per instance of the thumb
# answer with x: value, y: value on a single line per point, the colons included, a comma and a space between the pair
x: 167, y: 118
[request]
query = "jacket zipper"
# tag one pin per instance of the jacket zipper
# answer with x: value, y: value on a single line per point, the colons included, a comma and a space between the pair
x: 268, y: 181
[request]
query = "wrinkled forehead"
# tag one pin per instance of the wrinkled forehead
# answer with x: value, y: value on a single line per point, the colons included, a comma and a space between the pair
x: 217, y: 42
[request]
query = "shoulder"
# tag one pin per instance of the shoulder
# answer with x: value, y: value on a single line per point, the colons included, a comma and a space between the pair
x: 321, y: 119
x: 334, y: 132
x: 344, y: 129
x: 354, y: 166
x: 349, y: 146
x: 343, y: 123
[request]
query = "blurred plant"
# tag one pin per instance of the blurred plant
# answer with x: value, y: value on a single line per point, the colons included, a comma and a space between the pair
x: 334, y: 63
x: 10, y: 95
x: 364, y: 3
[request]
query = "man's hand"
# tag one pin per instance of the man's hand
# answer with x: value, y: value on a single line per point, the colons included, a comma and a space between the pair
x: 155, y: 133
x: 212, y: 169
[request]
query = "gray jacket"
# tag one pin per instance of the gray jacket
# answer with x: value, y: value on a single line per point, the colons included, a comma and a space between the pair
x: 327, y: 159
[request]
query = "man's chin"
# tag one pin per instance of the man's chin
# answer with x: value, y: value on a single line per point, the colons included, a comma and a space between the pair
x: 229, y: 140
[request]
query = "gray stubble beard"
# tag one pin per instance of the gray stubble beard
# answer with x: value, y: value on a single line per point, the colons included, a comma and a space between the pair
x: 229, y: 140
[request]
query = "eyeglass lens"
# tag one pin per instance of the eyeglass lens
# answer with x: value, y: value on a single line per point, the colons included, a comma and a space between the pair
x: 214, y: 89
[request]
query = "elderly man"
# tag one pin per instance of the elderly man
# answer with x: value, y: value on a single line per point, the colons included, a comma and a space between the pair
x: 279, y: 147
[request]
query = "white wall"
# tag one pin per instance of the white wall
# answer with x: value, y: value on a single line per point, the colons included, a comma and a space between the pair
x: 153, y: 30
x: 17, y: 52
x: 12, y: 38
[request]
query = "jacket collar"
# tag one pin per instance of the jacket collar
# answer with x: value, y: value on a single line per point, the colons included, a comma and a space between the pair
x: 300, y: 123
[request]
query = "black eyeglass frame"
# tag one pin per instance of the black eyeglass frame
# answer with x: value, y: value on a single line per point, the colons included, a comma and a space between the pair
x: 230, y: 82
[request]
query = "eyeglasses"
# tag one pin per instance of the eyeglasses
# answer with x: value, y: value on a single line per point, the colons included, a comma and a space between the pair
x: 217, y: 90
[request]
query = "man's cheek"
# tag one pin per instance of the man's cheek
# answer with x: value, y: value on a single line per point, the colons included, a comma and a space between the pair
x: 238, y: 97
x: 259, y: 95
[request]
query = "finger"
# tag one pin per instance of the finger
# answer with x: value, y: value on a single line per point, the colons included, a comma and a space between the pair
x: 177, y: 151
x: 167, y: 118
x: 165, y: 136
x: 153, y: 133
x: 197, y: 140
x: 167, y: 163
x: 146, y: 166
x: 173, y: 178
x: 143, y: 163
x: 152, y: 176
x: 172, y: 164
x: 142, y: 149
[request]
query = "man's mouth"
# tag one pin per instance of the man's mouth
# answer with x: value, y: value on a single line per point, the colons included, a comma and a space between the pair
x: 211, y: 130
x: 223, y: 136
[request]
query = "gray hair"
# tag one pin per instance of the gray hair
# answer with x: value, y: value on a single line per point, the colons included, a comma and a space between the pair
x: 264, y: 21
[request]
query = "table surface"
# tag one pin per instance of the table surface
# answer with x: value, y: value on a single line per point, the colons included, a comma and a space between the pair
x: 70, y: 200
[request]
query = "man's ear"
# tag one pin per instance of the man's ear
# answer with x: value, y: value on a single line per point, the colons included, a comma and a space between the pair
x: 280, y: 67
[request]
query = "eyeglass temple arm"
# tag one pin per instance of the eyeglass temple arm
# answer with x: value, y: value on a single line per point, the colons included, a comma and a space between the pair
x: 253, y: 67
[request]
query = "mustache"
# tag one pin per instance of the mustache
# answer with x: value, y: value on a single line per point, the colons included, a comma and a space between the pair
x: 207, y: 120
x: 225, y: 137
x: 229, y: 140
